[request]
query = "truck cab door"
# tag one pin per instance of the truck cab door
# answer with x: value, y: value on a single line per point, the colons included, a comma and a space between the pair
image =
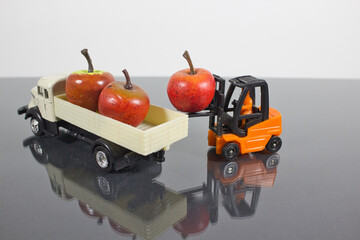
x: 41, y: 101
x: 45, y: 103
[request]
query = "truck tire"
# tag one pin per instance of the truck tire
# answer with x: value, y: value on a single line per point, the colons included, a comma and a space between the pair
x: 37, y: 126
x: 103, y: 158
x: 274, y: 144
x: 38, y: 152
x: 106, y: 187
x: 230, y: 151
x: 159, y: 156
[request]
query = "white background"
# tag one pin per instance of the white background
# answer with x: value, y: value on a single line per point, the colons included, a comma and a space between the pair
x: 266, y: 38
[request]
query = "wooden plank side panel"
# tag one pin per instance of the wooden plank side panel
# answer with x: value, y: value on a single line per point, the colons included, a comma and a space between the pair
x: 99, y: 125
x: 168, y: 133
x: 160, y: 128
x: 178, y: 129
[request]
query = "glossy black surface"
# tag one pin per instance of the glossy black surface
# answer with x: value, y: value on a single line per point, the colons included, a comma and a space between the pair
x: 49, y: 188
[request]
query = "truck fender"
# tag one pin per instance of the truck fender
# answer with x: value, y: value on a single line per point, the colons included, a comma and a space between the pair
x: 101, y: 142
x: 33, y: 112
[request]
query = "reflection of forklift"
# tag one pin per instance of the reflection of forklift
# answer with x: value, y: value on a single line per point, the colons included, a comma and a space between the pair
x: 237, y: 124
x: 239, y: 182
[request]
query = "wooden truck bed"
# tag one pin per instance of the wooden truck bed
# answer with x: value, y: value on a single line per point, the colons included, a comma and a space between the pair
x: 160, y: 128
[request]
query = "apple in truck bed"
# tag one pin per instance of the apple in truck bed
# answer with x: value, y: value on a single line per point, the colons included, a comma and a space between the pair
x: 84, y: 87
x: 125, y: 102
x: 191, y: 90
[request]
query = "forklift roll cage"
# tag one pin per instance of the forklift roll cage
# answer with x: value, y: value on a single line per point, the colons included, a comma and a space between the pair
x: 220, y: 121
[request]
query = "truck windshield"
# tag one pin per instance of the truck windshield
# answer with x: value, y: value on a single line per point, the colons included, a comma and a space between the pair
x: 40, y: 92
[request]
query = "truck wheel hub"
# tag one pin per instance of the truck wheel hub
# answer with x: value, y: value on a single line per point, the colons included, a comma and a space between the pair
x: 34, y: 126
x: 104, y: 185
x: 101, y: 159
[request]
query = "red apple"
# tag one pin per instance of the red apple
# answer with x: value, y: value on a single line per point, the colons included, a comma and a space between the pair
x: 125, y: 102
x: 191, y: 90
x: 84, y: 87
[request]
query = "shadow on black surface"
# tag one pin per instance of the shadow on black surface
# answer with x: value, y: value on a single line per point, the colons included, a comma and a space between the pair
x: 137, y: 205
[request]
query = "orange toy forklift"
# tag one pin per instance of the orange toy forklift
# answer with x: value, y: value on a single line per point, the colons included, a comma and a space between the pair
x: 237, y: 124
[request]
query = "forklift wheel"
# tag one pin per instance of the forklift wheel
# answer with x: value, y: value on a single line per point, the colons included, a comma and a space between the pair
x: 230, y: 170
x: 272, y: 161
x: 230, y: 151
x: 274, y: 144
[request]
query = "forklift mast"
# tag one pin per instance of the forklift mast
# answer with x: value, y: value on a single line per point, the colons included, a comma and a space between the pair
x: 217, y: 107
x: 224, y: 118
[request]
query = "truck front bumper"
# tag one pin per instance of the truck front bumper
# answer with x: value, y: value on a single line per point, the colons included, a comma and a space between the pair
x: 22, y: 110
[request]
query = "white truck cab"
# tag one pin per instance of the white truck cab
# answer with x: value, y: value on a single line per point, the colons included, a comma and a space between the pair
x: 43, y: 94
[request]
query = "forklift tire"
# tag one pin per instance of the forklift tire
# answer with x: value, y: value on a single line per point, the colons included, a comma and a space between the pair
x: 274, y: 144
x: 272, y: 161
x: 230, y: 151
x: 230, y: 170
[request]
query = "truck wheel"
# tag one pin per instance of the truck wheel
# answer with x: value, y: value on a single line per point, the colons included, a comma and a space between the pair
x: 159, y: 156
x: 38, y: 152
x: 107, y: 188
x: 102, y: 158
x: 37, y: 126
x: 274, y: 144
x: 230, y: 151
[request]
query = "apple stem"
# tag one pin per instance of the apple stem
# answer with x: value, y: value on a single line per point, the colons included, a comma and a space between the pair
x: 87, y: 56
x: 186, y: 55
x: 128, y: 84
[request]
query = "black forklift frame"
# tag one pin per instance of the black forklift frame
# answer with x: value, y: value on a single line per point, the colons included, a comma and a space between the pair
x: 215, y: 109
x: 219, y: 107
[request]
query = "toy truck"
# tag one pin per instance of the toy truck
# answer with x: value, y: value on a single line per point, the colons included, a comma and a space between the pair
x: 111, y: 140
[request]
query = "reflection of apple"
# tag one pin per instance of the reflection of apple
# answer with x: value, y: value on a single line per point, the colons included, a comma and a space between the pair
x: 120, y: 229
x: 83, y: 87
x: 125, y: 102
x: 196, y: 221
x: 89, y: 211
x: 191, y: 90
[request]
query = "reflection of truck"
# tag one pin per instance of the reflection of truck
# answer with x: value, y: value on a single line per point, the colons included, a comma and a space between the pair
x: 49, y: 110
x: 133, y: 201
